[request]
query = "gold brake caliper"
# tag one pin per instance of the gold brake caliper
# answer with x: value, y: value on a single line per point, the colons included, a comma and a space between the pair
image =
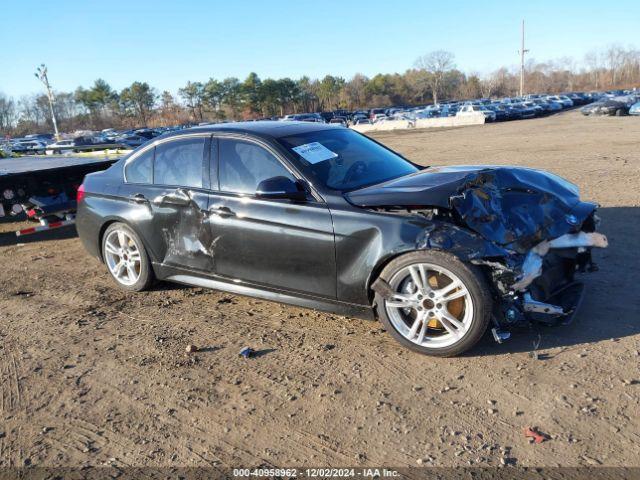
x: 455, y: 307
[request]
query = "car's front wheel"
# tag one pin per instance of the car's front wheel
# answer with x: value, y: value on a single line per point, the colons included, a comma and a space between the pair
x: 126, y: 258
x: 436, y: 305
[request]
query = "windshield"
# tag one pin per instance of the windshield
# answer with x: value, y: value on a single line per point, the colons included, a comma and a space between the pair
x: 344, y: 160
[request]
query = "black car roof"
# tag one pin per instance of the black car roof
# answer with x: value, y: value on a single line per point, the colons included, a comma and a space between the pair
x: 265, y: 128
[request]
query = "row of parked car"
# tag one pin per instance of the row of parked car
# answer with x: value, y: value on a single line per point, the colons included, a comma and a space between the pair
x: 515, y: 108
x: 45, y: 143
x: 510, y: 108
x: 615, y: 102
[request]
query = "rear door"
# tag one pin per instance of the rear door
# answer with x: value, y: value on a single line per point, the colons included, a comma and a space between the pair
x: 171, y: 201
x: 276, y: 243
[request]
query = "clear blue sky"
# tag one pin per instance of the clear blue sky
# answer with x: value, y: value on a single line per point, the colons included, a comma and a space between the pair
x: 167, y: 43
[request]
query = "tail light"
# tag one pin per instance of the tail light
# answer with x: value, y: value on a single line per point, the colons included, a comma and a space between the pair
x: 80, y: 194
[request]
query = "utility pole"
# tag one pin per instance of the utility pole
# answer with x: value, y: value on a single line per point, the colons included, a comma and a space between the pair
x: 41, y: 74
x: 522, y: 52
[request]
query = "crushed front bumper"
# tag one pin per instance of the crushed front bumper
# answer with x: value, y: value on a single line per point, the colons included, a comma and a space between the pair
x: 532, y: 265
x: 544, y: 290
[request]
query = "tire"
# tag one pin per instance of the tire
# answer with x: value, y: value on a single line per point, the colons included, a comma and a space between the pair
x: 440, y: 337
x: 619, y: 112
x: 137, y: 274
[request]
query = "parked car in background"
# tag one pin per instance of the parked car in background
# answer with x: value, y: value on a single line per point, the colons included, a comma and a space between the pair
x: 59, y: 147
x: 538, y: 110
x: 359, y: 116
x: 339, y: 120
x: 376, y: 111
x: 547, y: 106
x: 635, y: 109
x: 471, y: 109
x: 132, y: 141
x: 28, y: 147
x: 500, y: 112
x: 449, y: 110
x: 609, y: 106
x: 45, y: 138
x: 565, y: 101
x: 523, y: 111
x: 305, y: 117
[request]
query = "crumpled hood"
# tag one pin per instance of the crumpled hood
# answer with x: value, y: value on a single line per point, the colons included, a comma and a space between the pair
x: 514, y: 207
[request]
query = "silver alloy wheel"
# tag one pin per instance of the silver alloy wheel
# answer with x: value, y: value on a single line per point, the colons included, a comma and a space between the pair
x: 122, y: 255
x: 420, y: 308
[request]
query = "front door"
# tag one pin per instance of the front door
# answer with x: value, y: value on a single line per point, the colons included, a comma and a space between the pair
x: 279, y: 244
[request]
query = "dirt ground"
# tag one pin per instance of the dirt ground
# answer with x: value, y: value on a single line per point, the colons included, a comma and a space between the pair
x: 91, y: 375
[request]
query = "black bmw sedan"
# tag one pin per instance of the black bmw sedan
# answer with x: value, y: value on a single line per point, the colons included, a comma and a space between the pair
x: 323, y: 217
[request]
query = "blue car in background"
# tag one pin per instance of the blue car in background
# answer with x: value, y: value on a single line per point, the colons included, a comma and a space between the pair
x: 635, y: 109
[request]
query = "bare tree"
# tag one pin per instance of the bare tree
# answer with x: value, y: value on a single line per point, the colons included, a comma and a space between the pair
x: 437, y: 63
x: 614, y: 58
x: 592, y: 60
x: 488, y: 86
x: 8, y: 115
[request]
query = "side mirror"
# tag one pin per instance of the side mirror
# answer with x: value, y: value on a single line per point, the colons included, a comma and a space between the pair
x: 178, y: 197
x: 281, y: 187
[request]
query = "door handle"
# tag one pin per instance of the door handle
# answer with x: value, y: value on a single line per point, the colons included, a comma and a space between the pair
x: 139, y: 198
x: 222, y: 212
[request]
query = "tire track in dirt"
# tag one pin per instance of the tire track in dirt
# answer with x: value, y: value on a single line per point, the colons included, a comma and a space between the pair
x: 10, y: 387
x: 88, y: 440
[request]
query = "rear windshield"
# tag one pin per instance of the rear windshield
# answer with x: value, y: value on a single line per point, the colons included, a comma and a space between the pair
x: 342, y: 159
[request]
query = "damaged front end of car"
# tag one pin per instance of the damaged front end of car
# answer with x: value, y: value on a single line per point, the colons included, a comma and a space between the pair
x: 527, y: 230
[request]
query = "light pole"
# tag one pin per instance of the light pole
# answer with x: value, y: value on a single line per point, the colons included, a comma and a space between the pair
x: 41, y: 74
x: 522, y: 52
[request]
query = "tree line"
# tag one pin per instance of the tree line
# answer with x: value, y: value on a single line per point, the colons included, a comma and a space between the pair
x: 433, y: 77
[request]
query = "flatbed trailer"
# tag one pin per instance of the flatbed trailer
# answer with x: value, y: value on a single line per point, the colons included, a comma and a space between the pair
x: 44, y: 187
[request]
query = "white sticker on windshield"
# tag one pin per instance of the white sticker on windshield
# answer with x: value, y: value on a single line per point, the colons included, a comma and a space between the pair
x: 314, y: 152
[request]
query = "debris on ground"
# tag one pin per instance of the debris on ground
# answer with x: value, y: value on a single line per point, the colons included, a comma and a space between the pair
x: 536, y: 344
x: 535, y: 434
x: 247, y: 352
x: 191, y: 349
x: 23, y: 293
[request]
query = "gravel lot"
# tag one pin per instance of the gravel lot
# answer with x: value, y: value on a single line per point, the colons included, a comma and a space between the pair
x: 91, y: 375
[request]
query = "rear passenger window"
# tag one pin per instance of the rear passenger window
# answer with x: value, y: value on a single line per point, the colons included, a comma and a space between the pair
x: 179, y: 163
x: 140, y: 170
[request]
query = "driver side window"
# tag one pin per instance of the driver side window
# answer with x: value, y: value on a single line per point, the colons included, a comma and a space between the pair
x: 243, y: 165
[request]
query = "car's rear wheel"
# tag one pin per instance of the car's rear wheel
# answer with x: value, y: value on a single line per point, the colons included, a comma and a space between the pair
x: 126, y: 258
x: 437, y: 304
